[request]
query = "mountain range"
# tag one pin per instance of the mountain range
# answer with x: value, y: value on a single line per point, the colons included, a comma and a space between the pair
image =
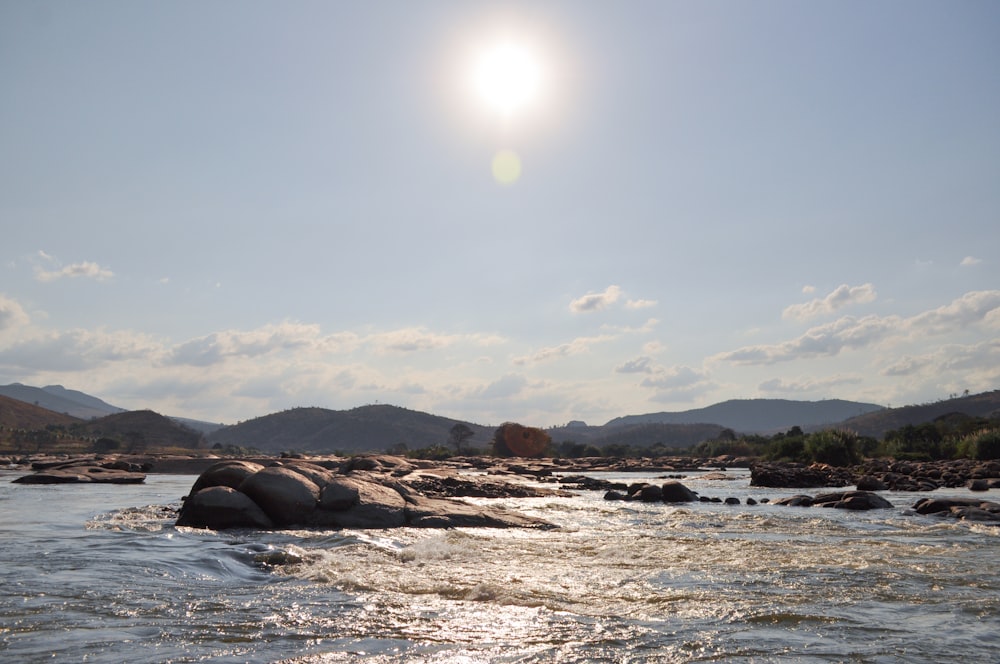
x: 383, y: 427
x: 57, y: 398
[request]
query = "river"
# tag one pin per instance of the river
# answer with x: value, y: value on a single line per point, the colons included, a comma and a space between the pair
x: 98, y: 573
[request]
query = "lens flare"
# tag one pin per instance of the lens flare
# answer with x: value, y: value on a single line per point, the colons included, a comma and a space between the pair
x: 506, y: 167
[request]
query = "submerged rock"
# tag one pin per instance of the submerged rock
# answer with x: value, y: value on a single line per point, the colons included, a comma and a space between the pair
x: 299, y: 494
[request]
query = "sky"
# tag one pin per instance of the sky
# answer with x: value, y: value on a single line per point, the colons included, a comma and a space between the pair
x: 223, y: 210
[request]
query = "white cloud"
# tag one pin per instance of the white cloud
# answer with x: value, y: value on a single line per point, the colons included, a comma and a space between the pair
x: 640, y: 304
x: 596, y: 301
x: 653, y: 347
x: 12, y: 315
x: 85, y: 269
x: 855, y: 333
x: 642, y: 364
x: 962, y: 312
x: 969, y: 261
x: 413, y: 339
x: 75, y: 350
x: 574, y: 347
x: 954, y: 367
x: 505, y: 387
x: 808, y: 290
x: 806, y: 385
x: 841, y: 297
x: 674, y: 377
x: 218, y: 346
x: 828, y: 339
x: 675, y: 384
x: 905, y: 366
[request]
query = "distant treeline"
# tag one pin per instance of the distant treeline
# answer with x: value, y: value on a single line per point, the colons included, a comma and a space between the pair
x: 949, y: 437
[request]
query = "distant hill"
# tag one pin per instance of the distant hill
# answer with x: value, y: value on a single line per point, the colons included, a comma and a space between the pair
x: 142, y: 428
x: 17, y: 414
x: 57, y: 398
x: 638, y: 435
x: 876, y: 424
x: 758, y: 415
x: 363, y: 429
x: 204, y: 428
x: 79, y: 404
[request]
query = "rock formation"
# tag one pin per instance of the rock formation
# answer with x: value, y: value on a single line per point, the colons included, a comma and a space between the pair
x: 294, y: 493
x: 84, y: 471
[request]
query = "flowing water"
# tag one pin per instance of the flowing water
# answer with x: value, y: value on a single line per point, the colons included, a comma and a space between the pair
x: 98, y: 573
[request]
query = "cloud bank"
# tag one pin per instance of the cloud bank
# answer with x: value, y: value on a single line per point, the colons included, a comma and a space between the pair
x: 841, y: 297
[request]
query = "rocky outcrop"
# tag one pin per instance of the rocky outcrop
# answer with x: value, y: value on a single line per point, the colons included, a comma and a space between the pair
x: 669, y: 492
x: 844, y: 500
x: 965, y: 509
x: 881, y: 475
x: 84, y: 471
x: 799, y: 476
x: 296, y: 493
x: 852, y: 500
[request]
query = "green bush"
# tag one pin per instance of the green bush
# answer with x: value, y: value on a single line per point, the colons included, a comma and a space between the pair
x: 984, y: 445
x: 836, y: 448
x: 787, y: 449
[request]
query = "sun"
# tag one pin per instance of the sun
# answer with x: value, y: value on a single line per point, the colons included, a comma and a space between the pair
x: 507, y: 77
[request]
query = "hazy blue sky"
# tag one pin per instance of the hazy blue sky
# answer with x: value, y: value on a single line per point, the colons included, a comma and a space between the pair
x: 224, y: 209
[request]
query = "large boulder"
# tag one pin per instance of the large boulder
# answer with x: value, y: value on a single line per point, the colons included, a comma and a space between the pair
x: 319, y: 475
x: 966, y: 509
x: 375, y: 506
x: 852, y: 500
x: 339, y: 494
x: 221, y: 507
x: 286, y: 496
x: 229, y: 473
x: 675, y: 492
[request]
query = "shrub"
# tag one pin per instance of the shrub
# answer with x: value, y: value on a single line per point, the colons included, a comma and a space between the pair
x: 836, y: 448
x: 787, y: 449
x: 984, y: 445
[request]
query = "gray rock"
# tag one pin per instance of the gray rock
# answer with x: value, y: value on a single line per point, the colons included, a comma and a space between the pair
x: 221, y: 507
x: 340, y: 494
x: 852, y: 500
x: 377, y: 507
x: 82, y: 474
x: 439, y: 513
x: 284, y: 495
x: 800, y: 500
x: 675, y: 492
x: 319, y: 475
x: 229, y: 473
x: 650, y: 494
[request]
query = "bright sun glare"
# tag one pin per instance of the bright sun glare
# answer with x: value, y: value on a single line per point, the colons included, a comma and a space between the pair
x: 507, y: 77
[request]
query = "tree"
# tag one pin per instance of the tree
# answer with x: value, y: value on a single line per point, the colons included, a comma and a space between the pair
x: 458, y: 435
x: 513, y: 439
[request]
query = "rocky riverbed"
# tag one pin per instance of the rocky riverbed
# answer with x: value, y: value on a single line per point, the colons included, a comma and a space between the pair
x: 379, y: 491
